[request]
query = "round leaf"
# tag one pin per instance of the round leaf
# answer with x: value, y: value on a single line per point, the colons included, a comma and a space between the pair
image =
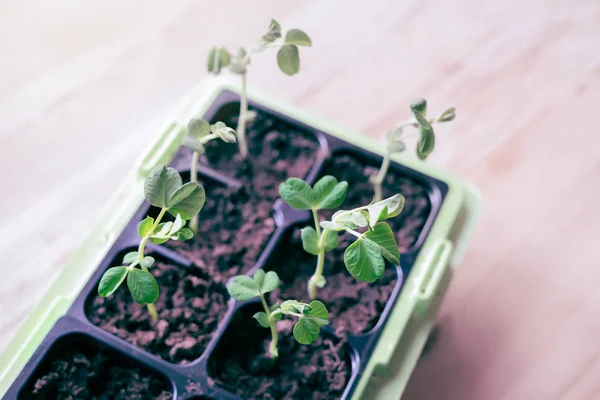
x: 262, y: 318
x: 288, y: 59
x: 310, y: 240
x: 218, y: 58
x: 259, y: 277
x: 317, y: 310
x: 242, y: 287
x: 383, y: 237
x: 145, y: 226
x: 161, y: 184
x: 111, y: 280
x: 143, y: 286
x: 130, y: 257
x: 187, y: 200
x: 426, y: 141
x: 364, y: 261
x: 297, y: 193
x: 270, y: 283
x: 147, y: 262
x: 306, y: 331
x: 198, y: 128
x: 331, y: 241
x: 328, y: 193
x: 183, y: 235
x: 297, y: 37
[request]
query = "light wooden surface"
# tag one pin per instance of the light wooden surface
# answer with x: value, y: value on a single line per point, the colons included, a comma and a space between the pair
x: 82, y: 84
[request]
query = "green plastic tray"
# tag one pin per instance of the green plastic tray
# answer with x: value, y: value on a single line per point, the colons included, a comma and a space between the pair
x: 411, y: 319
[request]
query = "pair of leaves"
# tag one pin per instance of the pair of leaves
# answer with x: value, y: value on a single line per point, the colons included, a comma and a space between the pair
x: 288, y: 57
x: 311, y: 317
x: 365, y: 216
x: 164, y: 188
x: 141, y: 284
x: 243, y: 287
x: 364, y: 258
x: 199, y: 129
x: 326, y: 194
x: 164, y: 231
x: 218, y: 58
x: 310, y: 241
x: 131, y: 257
x: 426, y: 142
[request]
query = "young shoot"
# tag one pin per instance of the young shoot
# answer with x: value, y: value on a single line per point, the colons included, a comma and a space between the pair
x: 311, y: 316
x: 364, y: 258
x: 288, y: 60
x: 396, y: 138
x: 199, y: 133
x: 164, y: 189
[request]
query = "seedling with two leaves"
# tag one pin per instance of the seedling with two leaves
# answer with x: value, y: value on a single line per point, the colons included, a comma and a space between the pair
x: 163, y: 188
x: 311, y: 316
x: 199, y: 133
x: 288, y: 59
x: 364, y: 258
x: 396, y: 139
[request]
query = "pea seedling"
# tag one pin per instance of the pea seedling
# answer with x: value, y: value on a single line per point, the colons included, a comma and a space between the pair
x: 311, y: 317
x: 288, y: 60
x: 364, y: 258
x: 199, y: 133
x: 396, y: 137
x: 163, y: 188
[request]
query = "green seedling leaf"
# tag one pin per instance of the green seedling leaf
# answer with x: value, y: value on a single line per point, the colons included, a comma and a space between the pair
x: 383, y: 237
x: 310, y: 240
x: 193, y: 144
x: 147, y: 262
x: 259, y: 277
x: 187, y: 200
x: 177, y: 224
x: 364, y: 260
x: 447, y: 115
x: 263, y: 319
x: 288, y: 59
x: 317, y: 310
x: 297, y: 193
x: 273, y: 33
x: 419, y: 107
x: 292, y: 306
x: 426, y: 140
x: 183, y: 235
x: 384, y: 209
x: 198, y: 128
x: 145, y: 226
x: 271, y: 282
x: 143, y: 286
x: 297, y: 37
x: 243, y: 287
x: 161, y: 184
x: 158, y: 240
x: 328, y: 193
x: 331, y: 241
x: 130, y: 257
x: 350, y: 219
x: 331, y: 226
x: 218, y: 58
x: 111, y: 280
x: 224, y: 132
x: 306, y: 331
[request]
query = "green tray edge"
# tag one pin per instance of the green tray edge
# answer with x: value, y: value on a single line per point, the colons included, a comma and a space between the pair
x: 462, y: 198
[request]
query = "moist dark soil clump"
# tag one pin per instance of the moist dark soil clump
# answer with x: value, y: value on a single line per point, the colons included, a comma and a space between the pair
x: 79, y: 371
x: 320, y: 370
x: 191, y: 305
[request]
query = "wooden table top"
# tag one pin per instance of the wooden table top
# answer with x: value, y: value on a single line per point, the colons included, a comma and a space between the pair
x: 84, y: 84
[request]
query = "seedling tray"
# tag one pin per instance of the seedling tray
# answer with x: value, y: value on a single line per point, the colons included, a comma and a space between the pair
x: 378, y: 354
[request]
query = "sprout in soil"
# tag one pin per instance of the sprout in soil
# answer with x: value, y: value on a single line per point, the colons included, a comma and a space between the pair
x: 364, y: 258
x: 396, y: 137
x: 199, y: 133
x: 163, y: 188
x: 311, y: 317
x: 288, y: 60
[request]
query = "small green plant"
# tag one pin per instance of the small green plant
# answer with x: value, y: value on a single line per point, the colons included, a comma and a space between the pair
x: 288, y: 60
x: 364, y: 258
x: 163, y: 188
x: 311, y: 317
x: 199, y: 133
x: 396, y: 138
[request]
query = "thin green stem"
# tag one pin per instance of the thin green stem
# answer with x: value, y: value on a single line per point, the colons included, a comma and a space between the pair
x: 316, y: 220
x: 241, y: 127
x: 385, y: 165
x: 318, y: 275
x: 151, y: 308
x: 194, y: 178
x: 273, y: 347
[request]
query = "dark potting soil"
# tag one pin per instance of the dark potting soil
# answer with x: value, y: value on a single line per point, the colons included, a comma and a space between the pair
x: 354, y: 306
x: 191, y: 305
x: 410, y: 223
x: 87, y: 373
x: 232, y: 234
x: 320, y: 370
